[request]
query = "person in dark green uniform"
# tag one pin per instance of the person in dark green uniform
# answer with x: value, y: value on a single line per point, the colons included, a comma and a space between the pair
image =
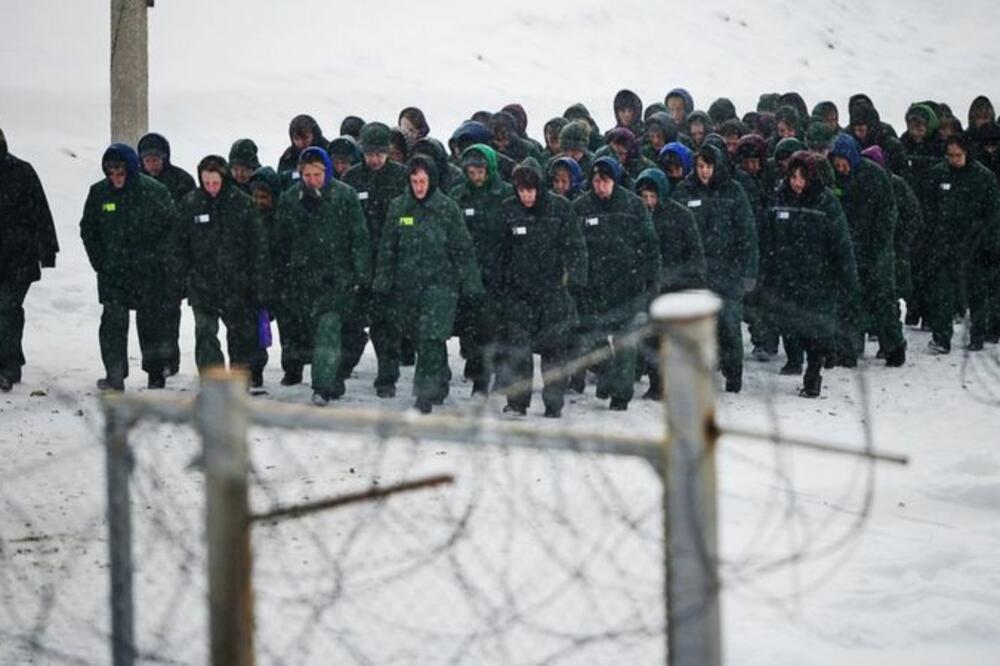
x: 963, y: 218
x: 808, y: 263
x: 128, y: 221
x: 542, y: 256
x: 909, y: 219
x: 623, y: 274
x: 478, y: 322
x: 628, y: 112
x: 265, y: 191
x: 867, y: 198
x: 924, y: 151
x: 624, y: 146
x: 222, y: 252
x: 729, y: 236
x: 243, y: 162
x: 154, y: 156
x: 682, y: 257
x: 329, y: 258
x: 425, y: 264
x: 378, y: 181
x: 304, y: 132
x: 573, y: 141
x: 344, y: 153
x: 27, y: 243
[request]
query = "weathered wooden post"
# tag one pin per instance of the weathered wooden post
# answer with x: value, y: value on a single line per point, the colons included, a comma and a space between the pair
x: 129, y: 70
x: 118, y: 465
x: 686, y: 323
x: 222, y: 416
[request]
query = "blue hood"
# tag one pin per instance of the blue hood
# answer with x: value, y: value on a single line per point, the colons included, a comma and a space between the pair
x: 683, y: 153
x: 325, y: 156
x: 575, y: 173
x: 473, y: 132
x: 122, y: 152
x: 847, y: 147
x: 611, y: 164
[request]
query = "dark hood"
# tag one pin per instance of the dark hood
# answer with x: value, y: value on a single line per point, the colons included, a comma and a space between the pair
x: 216, y: 163
x: 699, y: 117
x: 982, y: 103
x: 529, y: 173
x: 790, y: 116
x: 346, y: 146
x: 306, y: 123
x: 794, y: 100
x: 417, y: 118
x: 626, y: 136
x: 626, y: 99
x: 657, y: 179
x: 267, y: 177
x: 607, y: 165
x: 721, y: 110
x: 665, y: 123
x: 153, y: 143
x: 351, y: 126
x: 684, y: 95
x: 805, y: 161
x: 436, y: 152
x: 520, y: 117
x: 427, y: 163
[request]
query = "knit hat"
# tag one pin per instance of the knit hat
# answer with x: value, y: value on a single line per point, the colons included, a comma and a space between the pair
x: 786, y: 147
x: 574, y: 136
x: 374, y: 137
x: 819, y: 136
x: 244, y: 153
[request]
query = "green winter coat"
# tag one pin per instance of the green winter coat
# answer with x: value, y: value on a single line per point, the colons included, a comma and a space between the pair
x: 908, y: 221
x: 870, y: 205
x: 682, y: 257
x: 808, y: 263
x: 325, y: 242
x: 480, y: 208
x: 962, y: 219
x: 727, y: 228
x: 127, y: 236
x: 623, y: 258
x: 543, y: 257
x: 222, y: 251
x: 27, y: 233
x: 375, y: 190
x: 426, y: 261
x: 178, y: 181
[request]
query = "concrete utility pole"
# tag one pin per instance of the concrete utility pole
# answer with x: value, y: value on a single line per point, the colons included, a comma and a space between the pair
x: 687, y: 357
x: 129, y: 70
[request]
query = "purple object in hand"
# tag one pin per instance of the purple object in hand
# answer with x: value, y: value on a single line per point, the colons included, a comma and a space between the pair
x: 264, y: 339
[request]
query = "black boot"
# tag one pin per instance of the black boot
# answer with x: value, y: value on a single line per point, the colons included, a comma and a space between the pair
x: 423, y: 405
x: 385, y: 391
x: 292, y: 377
x: 618, y: 405
x: 520, y: 410
x: 897, y: 357
x: 734, y: 385
x: 13, y: 375
x: 553, y: 413
x: 5, y: 384
x: 256, y: 378
x: 157, y: 380
x: 110, y: 384
x: 812, y: 385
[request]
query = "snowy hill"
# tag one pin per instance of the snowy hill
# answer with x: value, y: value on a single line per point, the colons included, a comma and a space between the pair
x: 920, y: 585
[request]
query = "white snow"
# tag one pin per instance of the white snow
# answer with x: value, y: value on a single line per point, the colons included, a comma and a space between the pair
x: 916, y: 580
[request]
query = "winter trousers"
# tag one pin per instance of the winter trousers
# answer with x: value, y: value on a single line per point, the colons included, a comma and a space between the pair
x: 241, y: 338
x: 518, y: 367
x: 729, y: 331
x: 296, y: 345
x: 12, y: 295
x: 371, y: 311
x: 327, y: 336
x: 172, y: 327
x: 150, y: 321
x: 477, y: 324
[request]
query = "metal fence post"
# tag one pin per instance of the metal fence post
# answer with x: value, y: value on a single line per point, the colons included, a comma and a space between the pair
x: 222, y: 418
x: 686, y: 323
x: 118, y: 462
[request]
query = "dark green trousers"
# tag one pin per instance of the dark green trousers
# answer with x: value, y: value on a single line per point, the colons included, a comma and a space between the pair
x: 12, y: 295
x: 241, y: 338
x: 150, y: 322
x: 172, y: 330
x: 518, y: 366
x: 730, y: 336
x: 296, y: 342
x: 327, y: 328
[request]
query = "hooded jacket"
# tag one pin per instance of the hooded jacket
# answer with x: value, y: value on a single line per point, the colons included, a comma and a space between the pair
x: 427, y: 259
x: 577, y: 183
x: 580, y: 112
x: 542, y: 254
x: 222, y: 249
x: 323, y: 240
x: 480, y: 207
x: 626, y: 99
x: 726, y: 225
x: 448, y: 174
x: 375, y: 190
x: 681, y: 153
x: 869, y: 203
x: 127, y: 234
x: 685, y: 96
x: 663, y: 123
x: 27, y: 232
x: 178, y: 181
x: 623, y: 253
x: 289, y: 161
x: 682, y: 258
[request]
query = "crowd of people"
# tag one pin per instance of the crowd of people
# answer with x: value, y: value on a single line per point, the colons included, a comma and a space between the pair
x: 812, y: 231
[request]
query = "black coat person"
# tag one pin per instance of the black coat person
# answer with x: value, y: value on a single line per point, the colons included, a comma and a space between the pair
x: 27, y: 242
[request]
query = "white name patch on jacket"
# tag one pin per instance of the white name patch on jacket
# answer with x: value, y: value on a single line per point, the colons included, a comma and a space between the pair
x: 593, y: 221
x: 694, y: 203
x: 362, y: 196
x: 204, y: 217
x: 520, y: 231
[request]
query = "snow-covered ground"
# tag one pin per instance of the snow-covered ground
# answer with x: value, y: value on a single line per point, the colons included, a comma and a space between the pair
x: 918, y: 584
